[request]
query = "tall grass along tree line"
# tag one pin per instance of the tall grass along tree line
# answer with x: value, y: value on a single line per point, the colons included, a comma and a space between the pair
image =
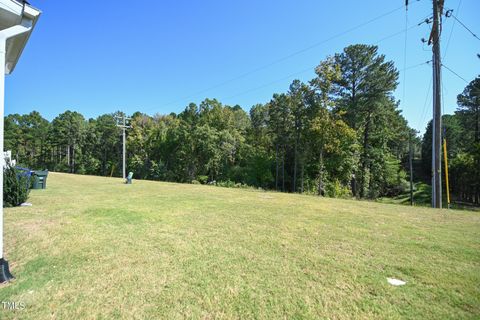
x: 340, y: 134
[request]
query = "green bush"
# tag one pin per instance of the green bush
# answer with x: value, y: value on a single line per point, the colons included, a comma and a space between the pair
x: 15, y: 187
x: 226, y: 184
x: 335, y: 189
x: 202, y: 179
x: 231, y: 184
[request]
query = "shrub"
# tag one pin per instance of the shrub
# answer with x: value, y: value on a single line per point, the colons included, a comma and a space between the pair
x: 226, y: 184
x: 195, y: 182
x: 335, y: 189
x: 15, y: 187
x: 202, y: 179
x: 231, y: 184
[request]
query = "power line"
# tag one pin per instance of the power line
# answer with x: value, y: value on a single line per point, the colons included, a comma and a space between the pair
x: 451, y: 32
x: 303, y: 71
x: 418, y: 65
x: 405, y: 54
x: 454, y: 73
x: 295, y: 74
x: 424, y: 109
x: 285, y: 57
x: 443, y: 105
x: 310, y: 68
x: 463, y: 25
x: 424, y: 112
x: 396, y: 34
x: 269, y: 83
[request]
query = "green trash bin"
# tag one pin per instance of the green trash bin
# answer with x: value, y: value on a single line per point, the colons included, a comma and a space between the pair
x: 40, y: 179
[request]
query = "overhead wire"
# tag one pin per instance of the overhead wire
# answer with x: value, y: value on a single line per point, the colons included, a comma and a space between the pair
x: 463, y: 25
x: 309, y: 69
x: 286, y: 57
x: 459, y: 76
x: 442, y: 102
x: 269, y: 83
x: 404, y: 85
x: 418, y: 65
x: 444, y: 58
x: 451, y: 31
x: 424, y: 112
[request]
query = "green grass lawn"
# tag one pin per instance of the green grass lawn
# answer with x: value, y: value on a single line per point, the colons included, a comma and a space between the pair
x: 94, y: 248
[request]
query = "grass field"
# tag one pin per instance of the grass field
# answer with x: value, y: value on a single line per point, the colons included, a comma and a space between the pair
x: 94, y: 248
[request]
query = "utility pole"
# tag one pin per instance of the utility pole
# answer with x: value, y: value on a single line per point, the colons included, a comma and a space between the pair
x: 410, y: 160
x: 437, y: 110
x: 122, y: 123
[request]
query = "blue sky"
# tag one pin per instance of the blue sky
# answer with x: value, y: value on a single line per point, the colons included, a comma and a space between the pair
x: 97, y: 57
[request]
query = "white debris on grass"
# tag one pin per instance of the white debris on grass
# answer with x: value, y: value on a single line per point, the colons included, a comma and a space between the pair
x: 396, y: 282
x: 26, y: 204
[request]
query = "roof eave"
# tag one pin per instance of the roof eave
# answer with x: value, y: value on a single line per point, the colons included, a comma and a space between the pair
x: 29, y: 13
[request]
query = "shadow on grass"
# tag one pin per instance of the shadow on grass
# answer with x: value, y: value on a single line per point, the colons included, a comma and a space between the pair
x: 422, y: 198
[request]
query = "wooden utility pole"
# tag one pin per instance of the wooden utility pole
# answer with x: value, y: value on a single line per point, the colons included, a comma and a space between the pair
x: 410, y: 161
x: 437, y: 109
x: 122, y: 123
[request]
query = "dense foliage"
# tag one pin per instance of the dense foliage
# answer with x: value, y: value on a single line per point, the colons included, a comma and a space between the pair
x: 16, y: 186
x: 462, y: 132
x: 340, y: 134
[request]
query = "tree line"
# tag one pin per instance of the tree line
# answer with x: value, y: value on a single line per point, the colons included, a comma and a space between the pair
x: 340, y: 134
x: 462, y: 132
